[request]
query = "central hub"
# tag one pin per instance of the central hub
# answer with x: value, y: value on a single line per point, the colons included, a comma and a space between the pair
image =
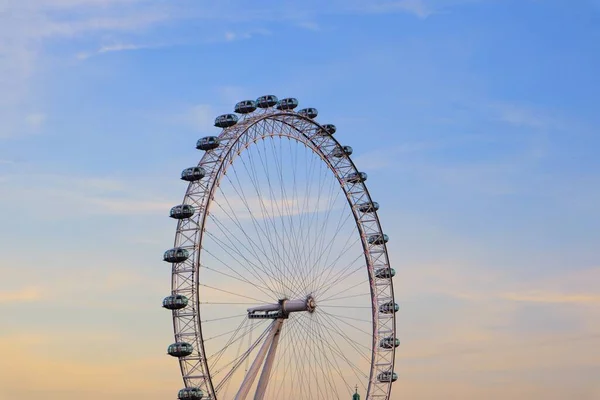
x: 283, y: 308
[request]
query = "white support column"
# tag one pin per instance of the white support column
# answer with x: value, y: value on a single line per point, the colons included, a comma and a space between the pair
x: 260, y: 358
x: 261, y: 389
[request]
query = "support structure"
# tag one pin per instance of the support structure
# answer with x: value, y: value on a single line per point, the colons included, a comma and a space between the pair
x: 261, y: 389
x: 270, y: 344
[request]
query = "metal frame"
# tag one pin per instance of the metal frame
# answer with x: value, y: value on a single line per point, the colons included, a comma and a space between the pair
x: 233, y: 140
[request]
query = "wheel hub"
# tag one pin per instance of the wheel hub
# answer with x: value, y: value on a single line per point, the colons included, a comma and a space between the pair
x: 283, y: 308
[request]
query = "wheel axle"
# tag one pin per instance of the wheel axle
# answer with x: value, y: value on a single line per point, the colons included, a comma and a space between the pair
x: 282, y: 309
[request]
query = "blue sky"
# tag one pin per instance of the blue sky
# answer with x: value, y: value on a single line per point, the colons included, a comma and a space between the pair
x: 477, y: 122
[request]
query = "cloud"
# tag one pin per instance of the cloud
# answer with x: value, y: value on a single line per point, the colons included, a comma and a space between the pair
x: 76, y: 196
x: 201, y: 116
x: 389, y: 156
x: 26, y: 25
x: 466, y: 281
x: 36, y: 120
x: 558, y: 298
x: 24, y: 295
x: 524, y: 116
x: 310, y: 26
x: 416, y: 7
x: 230, y: 36
x: 117, y: 47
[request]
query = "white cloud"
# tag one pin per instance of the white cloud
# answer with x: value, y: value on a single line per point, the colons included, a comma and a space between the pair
x: 74, y: 196
x: 25, y: 25
x: 387, y: 157
x: 416, y: 7
x: 117, y: 47
x: 232, y: 94
x: 201, y: 116
x: 231, y: 36
x: 310, y: 26
x: 35, y: 120
x: 524, y: 116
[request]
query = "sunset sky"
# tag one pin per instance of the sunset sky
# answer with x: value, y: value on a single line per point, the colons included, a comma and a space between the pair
x: 477, y: 121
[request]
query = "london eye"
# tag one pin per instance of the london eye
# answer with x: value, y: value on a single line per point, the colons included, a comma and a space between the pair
x: 281, y: 282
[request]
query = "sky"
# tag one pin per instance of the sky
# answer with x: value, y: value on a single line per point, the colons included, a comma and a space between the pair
x: 476, y: 120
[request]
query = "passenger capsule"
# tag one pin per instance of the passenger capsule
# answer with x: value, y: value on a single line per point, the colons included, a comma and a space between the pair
x: 266, y: 101
x: 368, y: 207
x: 341, y: 151
x: 309, y: 112
x: 387, y: 376
x: 245, y: 107
x: 182, y: 211
x: 328, y: 129
x: 389, y: 343
x: 193, y: 174
x: 389, y: 308
x: 378, y: 238
x: 176, y: 255
x: 180, y: 349
x: 175, y: 302
x: 226, y: 120
x: 386, y: 272
x: 356, y: 177
x: 207, y: 143
x: 191, y: 393
x: 287, y: 104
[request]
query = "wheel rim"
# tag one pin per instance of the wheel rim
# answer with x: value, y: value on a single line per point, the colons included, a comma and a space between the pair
x: 270, y: 260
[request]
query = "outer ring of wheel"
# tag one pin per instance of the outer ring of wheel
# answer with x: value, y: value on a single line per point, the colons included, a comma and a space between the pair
x: 233, y: 140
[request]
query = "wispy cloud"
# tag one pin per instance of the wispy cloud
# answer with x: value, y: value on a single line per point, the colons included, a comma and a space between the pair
x: 117, y: 47
x: 524, y: 116
x: 230, y: 36
x: 310, y: 26
x: 549, y: 297
x: 388, y: 156
x: 36, y: 120
x: 201, y: 116
x: 417, y: 7
x: 77, y: 196
x: 26, y: 25
x: 24, y: 295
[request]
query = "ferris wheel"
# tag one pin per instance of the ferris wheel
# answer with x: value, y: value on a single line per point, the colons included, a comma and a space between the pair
x: 281, y: 283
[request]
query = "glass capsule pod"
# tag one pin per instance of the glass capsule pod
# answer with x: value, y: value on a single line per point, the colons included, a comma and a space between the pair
x: 384, y: 273
x: 341, y: 152
x: 180, y: 349
x: 193, y: 174
x: 266, y: 101
x: 378, y: 238
x: 389, y: 308
x: 287, y: 104
x: 226, y: 120
x: 309, y: 112
x: 175, y: 302
x: 368, y: 207
x: 356, y: 177
x: 207, y: 143
x: 387, y: 376
x: 389, y: 343
x: 176, y: 255
x: 182, y: 211
x: 190, y: 393
x: 245, y: 106
x: 328, y: 129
